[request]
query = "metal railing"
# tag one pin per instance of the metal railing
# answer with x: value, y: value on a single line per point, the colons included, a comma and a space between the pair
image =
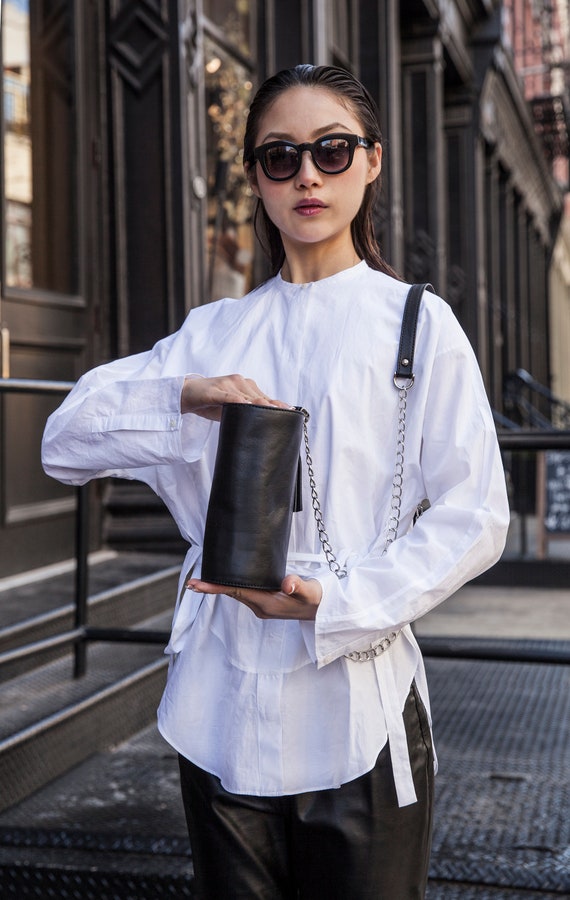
x: 44, y: 388
x: 523, y: 395
x: 81, y: 634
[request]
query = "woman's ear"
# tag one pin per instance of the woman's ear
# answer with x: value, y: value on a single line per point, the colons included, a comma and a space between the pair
x: 374, y: 162
x: 251, y: 175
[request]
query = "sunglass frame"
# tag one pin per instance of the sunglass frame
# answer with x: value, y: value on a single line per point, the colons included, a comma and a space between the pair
x: 353, y: 140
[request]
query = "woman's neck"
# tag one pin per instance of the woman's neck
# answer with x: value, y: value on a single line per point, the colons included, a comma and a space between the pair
x: 306, y: 264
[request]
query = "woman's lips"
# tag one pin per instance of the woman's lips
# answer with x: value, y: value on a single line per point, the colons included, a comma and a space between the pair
x: 309, y: 207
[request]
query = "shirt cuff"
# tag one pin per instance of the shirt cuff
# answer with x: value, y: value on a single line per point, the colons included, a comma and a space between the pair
x: 194, y: 432
x: 194, y: 429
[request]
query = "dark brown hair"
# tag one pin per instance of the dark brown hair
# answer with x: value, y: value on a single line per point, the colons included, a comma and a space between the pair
x: 350, y: 92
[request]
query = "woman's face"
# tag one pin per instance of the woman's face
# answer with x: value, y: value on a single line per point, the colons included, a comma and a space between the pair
x: 313, y: 208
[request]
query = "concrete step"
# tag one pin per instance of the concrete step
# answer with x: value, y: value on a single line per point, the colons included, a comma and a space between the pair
x: 112, y: 828
x: 131, y: 588
x: 50, y: 721
x: 136, y: 519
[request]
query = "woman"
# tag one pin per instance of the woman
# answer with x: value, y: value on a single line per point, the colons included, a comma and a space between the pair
x: 306, y: 773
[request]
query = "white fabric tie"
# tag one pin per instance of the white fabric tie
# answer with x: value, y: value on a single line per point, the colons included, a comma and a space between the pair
x: 398, y: 743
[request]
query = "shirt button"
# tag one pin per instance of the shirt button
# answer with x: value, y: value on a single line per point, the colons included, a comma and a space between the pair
x: 172, y: 424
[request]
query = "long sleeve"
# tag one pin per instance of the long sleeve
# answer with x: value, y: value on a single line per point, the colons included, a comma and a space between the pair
x: 122, y: 418
x: 461, y: 535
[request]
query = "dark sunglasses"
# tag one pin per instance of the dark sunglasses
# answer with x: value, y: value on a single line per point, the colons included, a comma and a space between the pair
x: 331, y: 154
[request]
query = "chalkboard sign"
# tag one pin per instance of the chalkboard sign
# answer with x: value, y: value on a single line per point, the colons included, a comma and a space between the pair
x: 557, y: 484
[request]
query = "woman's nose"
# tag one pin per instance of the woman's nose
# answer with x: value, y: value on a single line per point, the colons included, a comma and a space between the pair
x: 308, y: 173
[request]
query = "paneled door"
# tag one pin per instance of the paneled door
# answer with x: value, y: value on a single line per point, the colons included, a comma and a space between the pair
x: 50, y: 160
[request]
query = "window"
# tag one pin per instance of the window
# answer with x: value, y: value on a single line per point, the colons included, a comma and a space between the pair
x: 344, y: 23
x: 233, y: 18
x: 39, y: 145
x: 228, y: 85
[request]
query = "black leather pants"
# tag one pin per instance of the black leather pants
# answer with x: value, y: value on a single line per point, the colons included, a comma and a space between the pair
x: 349, y: 843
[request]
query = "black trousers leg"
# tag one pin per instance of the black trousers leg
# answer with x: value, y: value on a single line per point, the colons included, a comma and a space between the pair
x: 353, y: 842
x: 240, y: 844
x: 357, y: 842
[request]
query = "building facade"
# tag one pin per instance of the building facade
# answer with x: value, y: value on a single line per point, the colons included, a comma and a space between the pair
x: 124, y: 202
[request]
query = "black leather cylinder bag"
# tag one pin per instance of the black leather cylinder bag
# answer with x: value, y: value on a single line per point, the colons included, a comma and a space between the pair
x: 255, y: 490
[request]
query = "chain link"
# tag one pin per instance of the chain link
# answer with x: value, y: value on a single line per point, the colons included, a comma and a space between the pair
x: 393, y: 520
x: 393, y: 523
x: 398, y: 479
x: 374, y: 650
x: 334, y: 564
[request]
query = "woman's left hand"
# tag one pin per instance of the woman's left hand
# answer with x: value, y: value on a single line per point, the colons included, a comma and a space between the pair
x: 297, y: 599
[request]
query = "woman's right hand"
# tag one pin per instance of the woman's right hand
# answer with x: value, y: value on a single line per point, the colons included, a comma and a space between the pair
x: 206, y: 396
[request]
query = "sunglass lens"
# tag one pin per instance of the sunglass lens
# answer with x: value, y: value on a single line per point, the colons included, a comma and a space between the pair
x: 281, y: 161
x: 332, y: 154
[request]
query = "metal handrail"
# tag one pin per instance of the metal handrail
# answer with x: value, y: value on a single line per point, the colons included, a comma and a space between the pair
x: 534, y: 439
x: 46, y: 387
x: 521, y: 380
x: 81, y: 633
x: 34, y: 386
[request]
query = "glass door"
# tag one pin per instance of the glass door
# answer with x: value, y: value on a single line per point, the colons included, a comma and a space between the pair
x: 229, y: 73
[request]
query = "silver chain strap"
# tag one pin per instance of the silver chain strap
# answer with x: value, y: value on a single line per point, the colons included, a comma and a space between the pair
x: 334, y: 564
x: 398, y: 480
x: 394, y: 518
x: 374, y: 650
x: 393, y: 521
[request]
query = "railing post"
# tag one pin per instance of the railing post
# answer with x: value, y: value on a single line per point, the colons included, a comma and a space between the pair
x: 81, y: 578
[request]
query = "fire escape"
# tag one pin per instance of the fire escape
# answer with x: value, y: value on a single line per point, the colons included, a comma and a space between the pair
x: 541, y: 45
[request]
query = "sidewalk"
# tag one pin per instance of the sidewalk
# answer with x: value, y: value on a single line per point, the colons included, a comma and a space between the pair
x: 113, y: 828
x: 501, y: 612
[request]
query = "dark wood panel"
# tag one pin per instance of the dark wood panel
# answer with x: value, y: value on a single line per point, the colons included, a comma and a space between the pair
x: 145, y: 163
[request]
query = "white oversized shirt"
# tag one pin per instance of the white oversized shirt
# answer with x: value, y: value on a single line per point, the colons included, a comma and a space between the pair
x: 274, y: 707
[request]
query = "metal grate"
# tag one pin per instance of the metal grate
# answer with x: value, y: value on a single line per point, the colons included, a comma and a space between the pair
x: 502, y: 735
x: 47, y: 884
x: 439, y: 890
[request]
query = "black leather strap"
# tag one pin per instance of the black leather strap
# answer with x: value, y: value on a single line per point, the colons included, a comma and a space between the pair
x: 405, y: 361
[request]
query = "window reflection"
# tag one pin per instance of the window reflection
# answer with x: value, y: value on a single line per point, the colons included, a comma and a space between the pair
x: 230, y: 239
x: 233, y: 18
x: 17, y: 143
x: 39, y: 149
x: 343, y: 32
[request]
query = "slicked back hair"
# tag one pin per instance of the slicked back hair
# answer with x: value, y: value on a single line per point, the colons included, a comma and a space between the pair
x: 352, y: 94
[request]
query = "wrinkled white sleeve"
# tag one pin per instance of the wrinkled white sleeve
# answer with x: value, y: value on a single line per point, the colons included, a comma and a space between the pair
x: 119, y: 418
x: 460, y: 536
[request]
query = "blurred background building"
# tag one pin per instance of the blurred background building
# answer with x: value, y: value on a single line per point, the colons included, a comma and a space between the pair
x: 124, y: 202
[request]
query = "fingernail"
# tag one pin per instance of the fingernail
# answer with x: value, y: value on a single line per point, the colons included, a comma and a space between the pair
x: 293, y: 589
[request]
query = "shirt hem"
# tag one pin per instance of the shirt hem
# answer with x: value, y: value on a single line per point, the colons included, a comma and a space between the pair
x: 258, y: 793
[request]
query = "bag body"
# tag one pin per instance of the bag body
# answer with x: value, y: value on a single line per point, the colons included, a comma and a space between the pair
x: 253, y: 496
